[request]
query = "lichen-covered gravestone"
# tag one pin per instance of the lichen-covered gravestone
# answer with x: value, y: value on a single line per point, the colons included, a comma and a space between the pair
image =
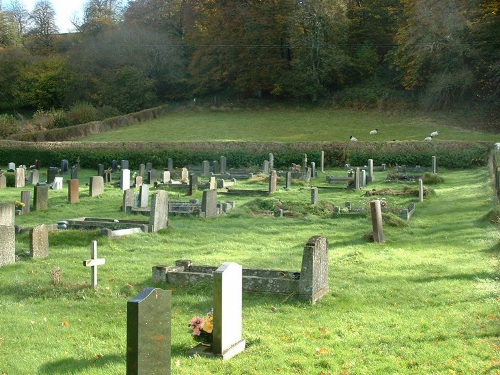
x: 149, y: 332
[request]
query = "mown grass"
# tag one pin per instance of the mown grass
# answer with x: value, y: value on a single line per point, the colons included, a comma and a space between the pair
x: 290, y: 125
x: 424, y: 302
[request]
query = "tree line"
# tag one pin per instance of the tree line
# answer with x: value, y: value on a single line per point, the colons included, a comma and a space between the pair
x: 125, y: 57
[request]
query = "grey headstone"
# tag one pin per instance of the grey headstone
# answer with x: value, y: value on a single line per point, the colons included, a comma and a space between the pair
x: 7, y: 245
x: 209, y: 203
x: 51, y: 174
x: 205, y: 168
x: 170, y: 165
x: 314, y: 195
x: 128, y: 200
x: 149, y: 332
x: 149, y: 166
x: 313, y: 282
x: 41, y: 197
x: 39, y: 241
x: 193, y: 184
x: 7, y: 214
x: 223, y: 164
x: 11, y: 166
x: 74, y: 172
x: 114, y: 166
x: 152, y: 176
x: 96, y: 186
x: 166, y: 177
x: 273, y: 180
x: 158, y: 218
x: 271, y: 161
x: 3, y: 181
x: 20, y: 176
x: 288, y: 183
x: 265, y: 167
x: 100, y: 170
x: 144, y: 196
x: 371, y: 176
x: 26, y: 199
x: 142, y: 170
x: 125, y: 164
x: 64, y: 166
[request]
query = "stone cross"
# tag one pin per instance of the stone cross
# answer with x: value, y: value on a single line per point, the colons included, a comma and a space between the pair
x: 93, y: 262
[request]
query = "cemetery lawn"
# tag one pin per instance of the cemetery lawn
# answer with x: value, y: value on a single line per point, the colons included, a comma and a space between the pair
x: 424, y: 302
x: 321, y: 125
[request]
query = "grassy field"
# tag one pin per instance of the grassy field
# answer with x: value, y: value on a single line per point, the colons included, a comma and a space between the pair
x: 291, y: 125
x: 425, y: 302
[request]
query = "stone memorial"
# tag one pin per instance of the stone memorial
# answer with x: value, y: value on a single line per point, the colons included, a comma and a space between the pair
x: 265, y: 167
x: 34, y: 177
x: 7, y: 244
x: 273, y: 179
x: 193, y: 184
x: 3, y: 181
x: 100, y: 170
x: 7, y: 214
x: 149, y: 332
x: 73, y: 191
x: 152, y: 176
x: 209, y: 203
x: 313, y: 282
x: 96, y: 186
x: 158, y: 218
x: 128, y: 200
x: 205, y: 165
x: 184, y: 175
x: 11, y: 167
x: 166, y: 177
x: 149, y: 166
x: 125, y: 164
x: 39, y: 241
x: 377, y: 221
x: 64, y: 166
x: 74, y: 172
x: 57, y: 184
x: 26, y: 199
x: 144, y: 196
x: 142, y: 169
x: 125, y: 179
x: 41, y: 197
x: 20, y: 177
x: 51, y: 175
x: 314, y: 195
x: 138, y: 181
x: 223, y: 163
x: 114, y: 166
x: 170, y: 165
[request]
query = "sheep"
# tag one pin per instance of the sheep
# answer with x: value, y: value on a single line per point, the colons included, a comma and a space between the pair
x: 353, y: 138
x: 374, y: 132
x: 428, y: 138
x: 434, y: 134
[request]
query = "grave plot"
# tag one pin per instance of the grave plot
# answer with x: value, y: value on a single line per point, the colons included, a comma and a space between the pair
x: 310, y: 283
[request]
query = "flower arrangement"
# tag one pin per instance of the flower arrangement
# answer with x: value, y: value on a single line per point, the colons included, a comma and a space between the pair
x: 202, y: 328
x: 19, y: 205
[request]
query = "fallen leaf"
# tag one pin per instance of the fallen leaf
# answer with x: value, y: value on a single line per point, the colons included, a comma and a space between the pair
x: 65, y: 323
x: 322, y: 351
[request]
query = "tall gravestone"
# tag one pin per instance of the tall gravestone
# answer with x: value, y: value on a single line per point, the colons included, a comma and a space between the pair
x: 170, y: 165
x: 288, y: 183
x: 228, y: 305
x: 125, y: 164
x: 371, y: 175
x: 34, y: 177
x: 7, y: 234
x: 209, y: 203
x: 193, y: 184
x: 158, y: 217
x: 125, y: 179
x: 11, y: 167
x: 314, y: 195
x: 41, y: 197
x: 74, y: 191
x: 149, y: 332
x: 273, y: 180
x: 144, y: 196
x: 223, y: 164
x: 3, y: 181
x: 377, y: 222
x: 142, y: 169
x: 26, y: 199
x: 313, y: 282
x: 51, y: 174
x: 205, y: 165
x: 39, y: 241
x: 64, y: 166
x: 96, y: 186
x: 128, y: 200
x: 20, y: 177
x: 265, y: 167
x: 100, y: 170
x: 152, y: 176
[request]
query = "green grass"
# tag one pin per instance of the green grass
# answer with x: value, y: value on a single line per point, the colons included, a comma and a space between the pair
x: 291, y: 125
x: 424, y: 302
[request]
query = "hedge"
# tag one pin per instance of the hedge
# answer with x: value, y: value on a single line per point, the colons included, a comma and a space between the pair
x: 450, y: 154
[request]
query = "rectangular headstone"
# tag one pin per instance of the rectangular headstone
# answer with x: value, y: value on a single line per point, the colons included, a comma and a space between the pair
x: 227, y: 304
x: 11, y: 167
x: 39, y: 241
x: 273, y: 179
x: 322, y: 162
x: 125, y: 164
x: 26, y: 199
x: 100, y: 170
x: 20, y: 177
x: 193, y: 184
x: 7, y: 245
x: 34, y: 177
x: 7, y: 214
x: 184, y: 175
x: 142, y: 169
x: 114, y: 166
x: 41, y: 197
x: 74, y: 191
x: 57, y: 184
x: 158, y: 218
x: 138, y: 181
x: 170, y: 165
x: 265, y: 167
x: 205, y: 165
x: 152, y: 176
x: 149, y: 332
x: 223, y: 164
x: 128, y: 200
x: 149, y: 166
x: 64, y: 166
x: 209, y: 203
x: 51, y: 174
x: 3, y: 181
x: 213, y: 183
x: 314, y: 195
x: 371, y: 176
x: 288, y: 183
x: 144, y: 196
x: 166, y: 177
x: 74, y: 172
x: 125, y: 179
x: 313, y: 282
x: 96, y: 186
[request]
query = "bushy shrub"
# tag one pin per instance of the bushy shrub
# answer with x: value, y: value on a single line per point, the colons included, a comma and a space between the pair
x: 43, y: 119
x: 81, y: 113
x: 60, y: 118
x: 8, y: 126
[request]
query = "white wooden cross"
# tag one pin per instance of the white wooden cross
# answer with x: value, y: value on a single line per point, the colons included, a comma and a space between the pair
x: 93, y: 262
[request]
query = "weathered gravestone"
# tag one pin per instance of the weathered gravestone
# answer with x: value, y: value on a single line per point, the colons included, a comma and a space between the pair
x: 128, y: 200
x: 273, y: 180
x: 7, y: 214
x: 114, y: 166
x: 73, y: 191
x: 314, y: 195
x: 313, y: 282
x: 158, y: 217
x: 74, y: 172
x: 93, y: 262
x: 34, y: 177
x: 377, y: 221
x: 227, y: 314
x: 64, y: 166
x: 39, y: 241
x: 149, y: 332
x: 209, y: 203
x: 96, y: 186
x: 20, y: 177
x: 193, y: 184
x: 125, y: 164
x: 205, y: 165
x: 11, y: 167
x: 57, y: 184
x: 7, y: 244
x: 41, y: 197
x: 144, y: 196
x: 265, y: 167
x: 152, y: 176
x: 26, y: 200
x: 223, y: 162
x: 3, y: 181
x: 100, y: 170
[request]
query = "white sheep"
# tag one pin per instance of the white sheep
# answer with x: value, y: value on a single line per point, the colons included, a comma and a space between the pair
x: 374, y: 132
x: 428, y: 138
x: 353, y: 138
x: 434, y: 134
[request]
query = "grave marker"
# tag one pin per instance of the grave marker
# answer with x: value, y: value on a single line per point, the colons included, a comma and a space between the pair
x: 93, y: 263
x: 420, y: 190
x: 20, y: 177
x: 128, y: 200
x: 149, y: 332
x: 377, y: 222
x: 73, y: 191
x: 57, y: 184
x: 125, y: 164
x: 273, y: 179
x: 158, y: 218
x: 64, y: 166
x: 26, y: 199
x: 7, y: 214
x: 34, y: 177
x: 222, y: 164
x: 371, y: 176
x: 3, y: 181
x: 313, y: 282
x: 39, y: 241
x: 7, y: 244
x: 11, y: 167
x: 144, y: 196
x: 209, y: 203
x: 152, y: 176
x: 125, y: 179
x: 314, y: 195
x: 96, y: 186
x: 51, y: 174
x: 41, y: 197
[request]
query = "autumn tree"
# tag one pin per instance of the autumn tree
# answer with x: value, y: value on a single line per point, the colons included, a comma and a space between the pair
x: 18, y: 11
x: 41, y: 34
x: 99, y: 16
x: 9, y: 34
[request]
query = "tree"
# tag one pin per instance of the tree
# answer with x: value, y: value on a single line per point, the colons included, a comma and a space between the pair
x: 433, y: 53
x: 43, y: 27
x: 99, y: 16
x: 9, y: 35
x: 20, y: 14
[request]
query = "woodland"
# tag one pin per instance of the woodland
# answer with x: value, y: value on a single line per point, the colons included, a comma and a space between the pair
x: 128, y: 56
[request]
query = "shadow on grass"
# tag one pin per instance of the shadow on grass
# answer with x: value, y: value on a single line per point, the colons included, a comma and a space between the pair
x: 462, y: 276
x: 72, y: 365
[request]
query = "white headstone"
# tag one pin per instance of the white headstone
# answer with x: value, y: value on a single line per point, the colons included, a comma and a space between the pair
x: 57, y: 184
x: 125, y: 179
